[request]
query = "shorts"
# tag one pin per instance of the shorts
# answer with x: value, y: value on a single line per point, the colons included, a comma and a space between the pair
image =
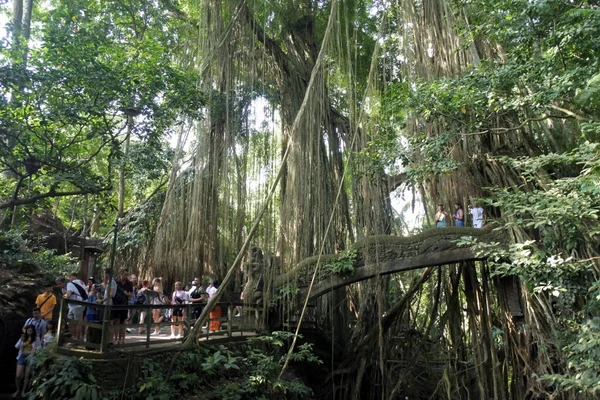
x: 24, y: 360
x: 178, y: 312
x: 76, y: 313
x: 121, y: 315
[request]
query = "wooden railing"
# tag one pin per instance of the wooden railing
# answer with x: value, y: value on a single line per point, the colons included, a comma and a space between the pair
x: 249, y: 322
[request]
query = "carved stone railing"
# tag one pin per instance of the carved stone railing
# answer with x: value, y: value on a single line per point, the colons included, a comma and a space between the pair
x: 381, y: 255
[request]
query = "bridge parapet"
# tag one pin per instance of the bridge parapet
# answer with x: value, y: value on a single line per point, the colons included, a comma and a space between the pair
x: 386, y: 254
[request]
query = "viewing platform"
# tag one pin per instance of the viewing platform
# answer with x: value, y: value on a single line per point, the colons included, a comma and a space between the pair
x: 97, y: 341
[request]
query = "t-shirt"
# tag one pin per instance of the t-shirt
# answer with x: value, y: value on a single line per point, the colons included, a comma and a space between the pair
x: 181, y: 295
x: 74, y: 294
x: 38, y: 324
x: 477, y: 214
x: 48, y: 337
x: 211, y: 291
x: 196, y: 292
x: 45, y: 303
x: 127, y: 286
x: 113, y: 289
x: 27, y: 347
x: 91, y: 313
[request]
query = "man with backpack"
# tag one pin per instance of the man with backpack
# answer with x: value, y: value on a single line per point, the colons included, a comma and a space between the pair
x: 73, y: 291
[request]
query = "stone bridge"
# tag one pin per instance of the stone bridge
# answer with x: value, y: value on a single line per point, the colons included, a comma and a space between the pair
x: 382, y: 255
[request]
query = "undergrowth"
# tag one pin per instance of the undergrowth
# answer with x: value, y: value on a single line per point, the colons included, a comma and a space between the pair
x: 242, y: 372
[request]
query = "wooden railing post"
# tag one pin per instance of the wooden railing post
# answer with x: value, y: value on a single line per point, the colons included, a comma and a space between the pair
x: 60, y: 336
x: 256, y: 320
x: 229, y: 319
x: 148, y: 325
x: 105, y: 329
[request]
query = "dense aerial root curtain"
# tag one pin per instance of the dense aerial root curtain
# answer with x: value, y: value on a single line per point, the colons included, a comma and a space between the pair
x: 435, y: 50
x: 204, y: 215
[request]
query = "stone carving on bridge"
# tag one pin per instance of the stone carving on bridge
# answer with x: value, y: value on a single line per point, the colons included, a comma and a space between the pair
x: 379, y: 255
x: 254, y: 267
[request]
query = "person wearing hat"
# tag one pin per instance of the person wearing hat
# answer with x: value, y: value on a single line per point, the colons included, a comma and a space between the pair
x: 46, y: 302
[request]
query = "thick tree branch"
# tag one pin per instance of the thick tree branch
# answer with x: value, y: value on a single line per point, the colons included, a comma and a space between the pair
x: 52, y: 193
x: 394, y: 181
x: 270, y: 44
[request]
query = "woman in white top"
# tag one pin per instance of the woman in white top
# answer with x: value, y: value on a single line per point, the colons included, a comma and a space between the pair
x: 478, y: 216
x: 180, y: 296
x: 50, y: 333
x: 158, y: 315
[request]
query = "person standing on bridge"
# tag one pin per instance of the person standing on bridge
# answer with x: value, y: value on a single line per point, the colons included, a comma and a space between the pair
x: 441, y: 217
x: 478, y: 214
x: 180, y: 297
x: 197, y: 296
x: 46, y: 302
x: 215, y: 314
x: 459, y: 215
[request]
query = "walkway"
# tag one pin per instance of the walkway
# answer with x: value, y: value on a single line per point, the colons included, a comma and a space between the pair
x: 98, y: 345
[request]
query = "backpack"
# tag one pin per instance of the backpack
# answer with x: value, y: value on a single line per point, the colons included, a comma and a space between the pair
x: 81, y: 291
x: 119, y: 298
x: 140, y: 299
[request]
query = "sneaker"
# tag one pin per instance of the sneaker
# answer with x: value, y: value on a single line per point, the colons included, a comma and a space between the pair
x: 154, y: 333
x: 172, y: 336
x: 128, y: 330
x: 177, y: 336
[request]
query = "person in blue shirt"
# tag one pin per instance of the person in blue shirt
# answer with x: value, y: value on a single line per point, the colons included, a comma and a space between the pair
x: 459, y: 215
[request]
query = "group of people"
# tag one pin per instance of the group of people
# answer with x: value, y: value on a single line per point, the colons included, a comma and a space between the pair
x: 40, y: 330
x: 442, y: 218
x: 124, y: 290
x: 37, y: 332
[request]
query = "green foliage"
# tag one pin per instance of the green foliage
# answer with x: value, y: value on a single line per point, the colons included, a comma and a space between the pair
x: 242, y: 372
x: 97, y: 64
x: 583, y: 354
x: 55, y: 378
x: 14, y: 246
x: 264, y: 366
x: 343, y: 264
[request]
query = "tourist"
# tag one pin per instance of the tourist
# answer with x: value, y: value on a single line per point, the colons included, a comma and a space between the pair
x: 158, y: 314
x: 73, y: 291
x: 90, y: 284
x: 110, y: 290
x: 127, y: 287
x: 37, y: 322
x: 239, y: 308
x: 196, y: 296
x: 459, y: 215
x: 478, y: 216
x: 92, y: 314
x: 179, y: 297
x: 50, y: 334
x: 27, y: 344
x: 215, y: 314
x: 75, y: 279
x: 142, y: 296
x: 46, y: 302
x: 441, y: 217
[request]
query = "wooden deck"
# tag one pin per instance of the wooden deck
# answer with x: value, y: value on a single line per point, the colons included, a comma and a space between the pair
x: 234, y: 328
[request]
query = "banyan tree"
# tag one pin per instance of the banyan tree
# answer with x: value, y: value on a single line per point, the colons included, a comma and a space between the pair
x: 356, y: 100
